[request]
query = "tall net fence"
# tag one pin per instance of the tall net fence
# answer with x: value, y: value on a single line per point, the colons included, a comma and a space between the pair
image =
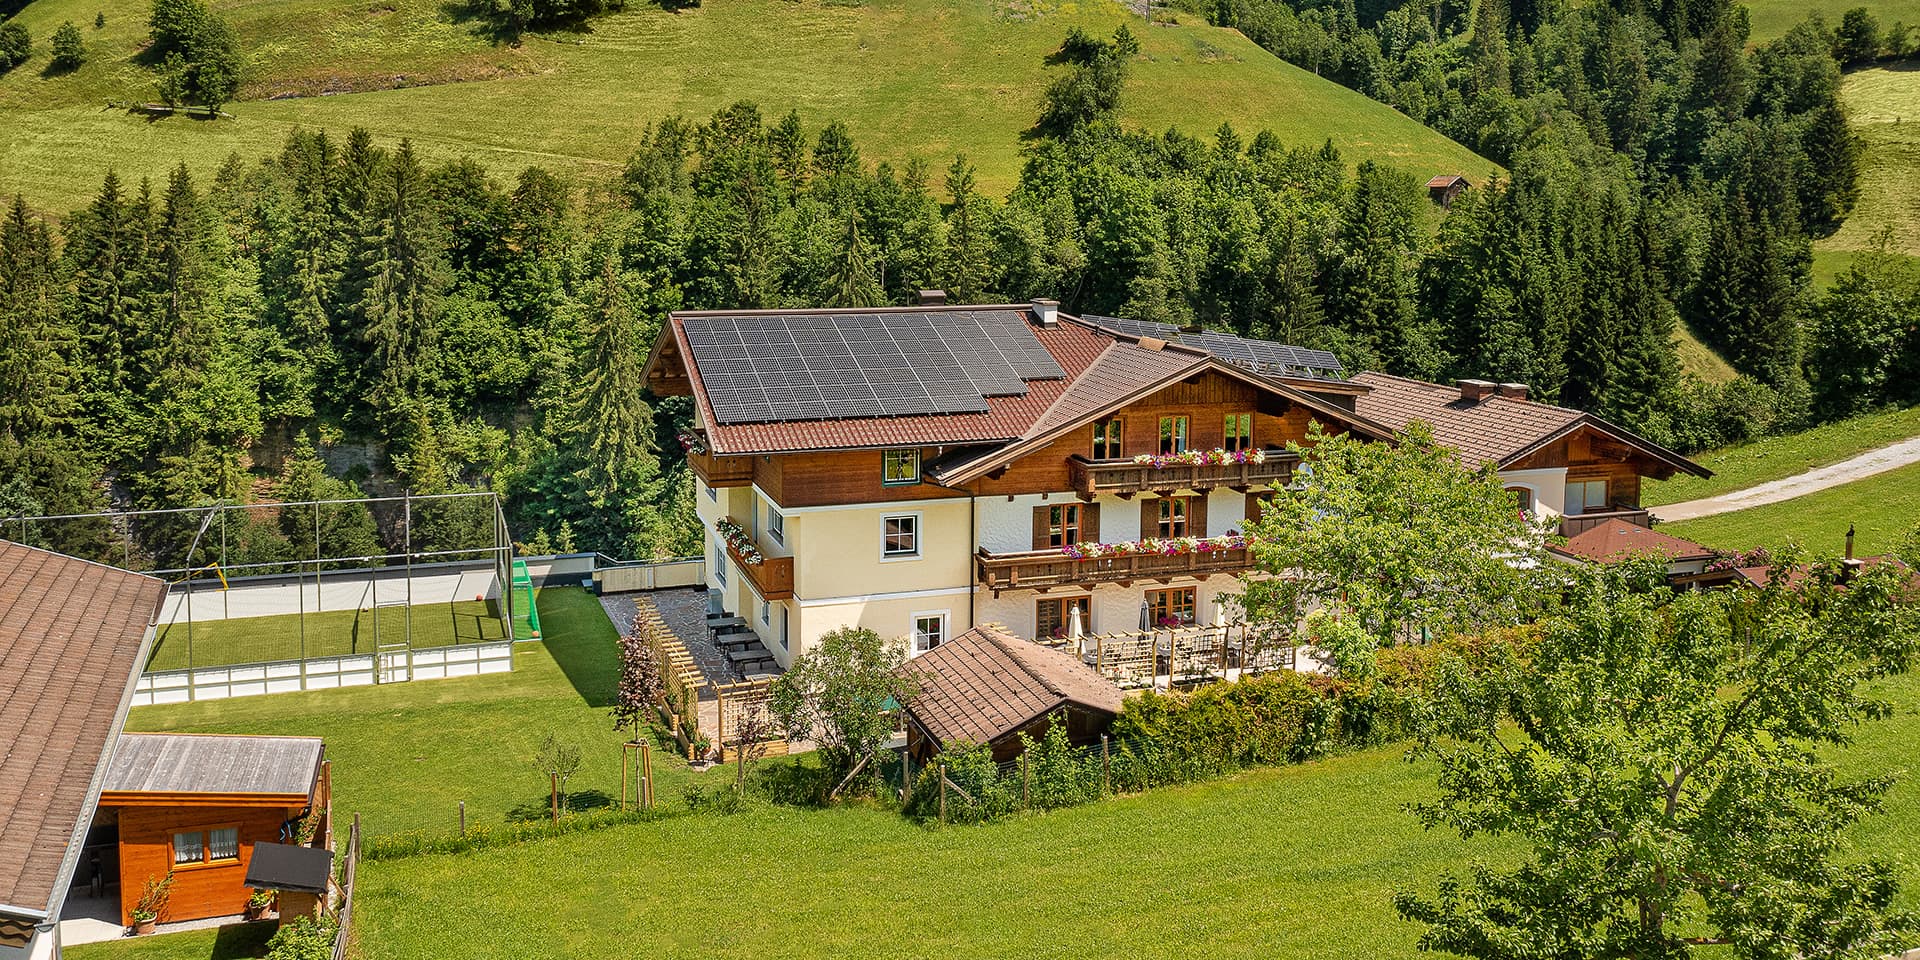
x: 378, y: 578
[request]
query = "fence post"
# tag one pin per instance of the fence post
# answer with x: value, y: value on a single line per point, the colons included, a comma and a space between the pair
x: 1106, y: 764
x: 943, y: 793
x: 906, y: 775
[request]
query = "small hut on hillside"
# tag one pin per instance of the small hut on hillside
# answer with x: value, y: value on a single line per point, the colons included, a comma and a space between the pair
x: 989, y: 686
x: 1444, y: 188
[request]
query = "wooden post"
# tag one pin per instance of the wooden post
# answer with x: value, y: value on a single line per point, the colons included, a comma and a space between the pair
x: 1026, y: 783
x: 1106, y: 763
x: 646, y: 775
x: 554, y: 781
x: 943, y: 793
x: 906, y: 775
x: 463, y: 818
x: 623, y: 779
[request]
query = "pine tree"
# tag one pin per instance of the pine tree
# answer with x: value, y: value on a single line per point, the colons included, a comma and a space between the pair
x: 400, y: 282
x: 106, y: 254
x: 1748, y: 294
x: 36, y: 388
x: 968, y: 245
x: 610, y: 411
x: 175, y: 344
x: 853, y: 283
x: 1370, y: 277
x: 1830, y: 183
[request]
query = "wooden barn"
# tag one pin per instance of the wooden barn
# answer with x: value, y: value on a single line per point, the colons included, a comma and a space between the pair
x: 989, y: 686
x: 1447, y: 187
x: 195, y: 805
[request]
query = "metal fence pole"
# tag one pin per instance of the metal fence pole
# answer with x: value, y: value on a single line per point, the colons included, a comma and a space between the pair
x: 318, y: 603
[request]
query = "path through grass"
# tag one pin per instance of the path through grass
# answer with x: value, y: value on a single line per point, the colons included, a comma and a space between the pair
x: 1776, y: 458
x: 1883, y: 508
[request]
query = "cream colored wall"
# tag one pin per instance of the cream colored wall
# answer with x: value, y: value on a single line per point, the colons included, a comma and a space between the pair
x: 1549, y: 486
x: 1115, y: 608
x: 837, y: 552
x: 889, y: 616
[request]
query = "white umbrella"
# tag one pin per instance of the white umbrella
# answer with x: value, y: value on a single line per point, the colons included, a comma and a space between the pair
x: 1075, y: 629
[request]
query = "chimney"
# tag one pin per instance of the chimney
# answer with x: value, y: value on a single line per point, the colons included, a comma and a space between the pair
x: 931, y: 298
x: 1515, y: 391
x: 1046, y: 313
x: 1475, y: 391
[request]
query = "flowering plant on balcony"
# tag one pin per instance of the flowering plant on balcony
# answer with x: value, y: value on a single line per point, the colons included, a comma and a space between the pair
x: 1167, y: 547
x: 737, y: 540
x: 693, y: 443
x: 1200, y: 458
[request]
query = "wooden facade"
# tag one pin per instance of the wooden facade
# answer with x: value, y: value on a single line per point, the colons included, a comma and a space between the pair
x: 212, y: 888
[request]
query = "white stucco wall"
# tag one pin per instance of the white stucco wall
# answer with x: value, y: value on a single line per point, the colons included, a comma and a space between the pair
x: 1549, y: 488
x: 1114, y: 609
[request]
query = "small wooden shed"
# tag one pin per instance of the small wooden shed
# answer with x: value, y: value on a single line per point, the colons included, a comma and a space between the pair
x: 195, y: 805
x: 989, y: 686
x: 1445, y: 187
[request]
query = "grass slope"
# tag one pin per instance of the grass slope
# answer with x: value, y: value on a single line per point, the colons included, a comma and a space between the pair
x: 1884, y: 107
x: 1773, y: 18
x: 1883, y: 508
x: 335, y: 633
x: 1776, y: 458
x: 405, y: 755
x: 912, y: 78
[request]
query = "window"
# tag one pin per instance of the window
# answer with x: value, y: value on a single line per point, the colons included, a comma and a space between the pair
x: 719, y: 564
x: 899, y: 467
x: 1522, y: 497
x: 1173, y: 435
x: 783, y: 628
x: 1106, y: 440
x: 929, y: 630
x: 206, y: 846
x: 1239, y: 432
x: 900, y: 536
x: 776, y: 525
x: 766, y: 614
x: 1170, y: 608
x: 1053, y: 617
x: 713, y: 492
x: 1173, y: 517
x: 1586, y: 496
x: 1063, y: 525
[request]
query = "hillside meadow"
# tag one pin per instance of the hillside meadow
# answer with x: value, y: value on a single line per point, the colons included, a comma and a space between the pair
x: 911, y: 78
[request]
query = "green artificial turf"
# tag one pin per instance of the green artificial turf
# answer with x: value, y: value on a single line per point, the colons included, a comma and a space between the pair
x: 224, y: 943
x: 911, y: 78
x: 1883, y: 508
x: 1776, y: 458
x: 331, y: 634
x: 404, y: 755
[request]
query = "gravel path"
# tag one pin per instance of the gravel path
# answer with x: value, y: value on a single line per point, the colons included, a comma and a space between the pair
x: 1846, y: 471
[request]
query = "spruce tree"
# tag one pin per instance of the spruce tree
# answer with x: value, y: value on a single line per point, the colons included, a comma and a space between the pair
x: 1370, y: 275
x: 36, y: 389
x: 612, y: 415
x: 400, y: 274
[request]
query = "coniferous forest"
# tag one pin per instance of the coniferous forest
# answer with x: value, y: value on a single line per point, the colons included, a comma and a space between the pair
x: 350, y: 318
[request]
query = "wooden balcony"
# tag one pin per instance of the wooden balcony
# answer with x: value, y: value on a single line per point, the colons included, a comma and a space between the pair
x: 1045, y: 569
x: 1124, y: 478
x: 772, y: 577
x: 1577, y: 524
x: 721, y: 471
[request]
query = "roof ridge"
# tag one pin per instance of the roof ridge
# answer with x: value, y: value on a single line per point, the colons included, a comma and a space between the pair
x: 998, y: 636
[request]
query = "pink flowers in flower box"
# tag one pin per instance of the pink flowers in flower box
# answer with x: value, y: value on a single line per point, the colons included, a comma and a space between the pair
x: 1200, y: 458
x: 1167, y: 547
x: 693, y: 443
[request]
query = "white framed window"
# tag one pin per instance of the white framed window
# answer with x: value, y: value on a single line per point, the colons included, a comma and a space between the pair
x: 1586, y: 496
x: 713, y: 492
x: 720, y: 564
x: 776, y: 524
x: 766, y: 614
x: 929, y: 630
x: 784, y: 621
x: 899, y: 468
x: 900, y: 536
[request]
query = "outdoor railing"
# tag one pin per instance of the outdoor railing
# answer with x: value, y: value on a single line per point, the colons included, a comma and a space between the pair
x: 1032, y: 569
x: 1575, y: 524
x: 1124, y: 477
x: 772, y: 577
x: 721, y: 471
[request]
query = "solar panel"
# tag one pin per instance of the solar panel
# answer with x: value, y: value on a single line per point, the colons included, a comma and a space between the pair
x: 1265, y: 356
x: 772, y: 367
x: 1136, y: 328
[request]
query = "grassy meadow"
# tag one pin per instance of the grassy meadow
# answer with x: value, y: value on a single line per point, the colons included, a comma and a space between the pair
x: 1776, y: 458
x: 912, y: 78
x: 1883, y: 508
x: 1884, y: 107
x: 1773, y: 18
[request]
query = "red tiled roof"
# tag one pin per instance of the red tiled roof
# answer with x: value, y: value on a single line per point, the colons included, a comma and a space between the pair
x: 1492, y: 428
x: 71, y: 634
x: 1620, y: 540
x: 986, y: 683
x: 1073, y: 346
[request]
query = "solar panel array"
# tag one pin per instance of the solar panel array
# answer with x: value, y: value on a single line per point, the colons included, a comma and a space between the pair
x: 779, y: 367
x: 1137, y: 328
x: 1265, y: 356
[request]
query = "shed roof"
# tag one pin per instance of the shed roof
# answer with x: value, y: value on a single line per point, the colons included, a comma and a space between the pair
x: 284, y: 866
x: 1446, y: 180
x: 71, y: 639
x: 1619, y: 540
x: 176, y: 763
x: 987, y: 683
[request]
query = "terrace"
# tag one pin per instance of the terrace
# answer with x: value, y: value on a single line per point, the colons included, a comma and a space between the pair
x: 1573, y: 525
x: 1126, y: 476
x: 1042, y: 569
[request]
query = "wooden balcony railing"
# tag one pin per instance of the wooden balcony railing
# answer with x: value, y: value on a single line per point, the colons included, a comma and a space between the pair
x: 772, y: 577
x: 1124, y: 478
x: 1036, y: 569
x: 721, y: 471
x: 1577, y: 524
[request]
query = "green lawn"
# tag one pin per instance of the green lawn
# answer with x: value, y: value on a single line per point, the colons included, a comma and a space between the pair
x: 912, y: 78
x: 1884, y: 106
x: 331, y: 634
x: 1773, y: 18
x: 226, y: 943
x: 1884, y: 508
x: 404, y: 755
x: 1776, y: 458
x: 1700, y: 360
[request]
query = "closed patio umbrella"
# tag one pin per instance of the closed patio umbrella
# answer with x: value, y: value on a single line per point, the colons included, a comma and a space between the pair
x: 1075, y: 628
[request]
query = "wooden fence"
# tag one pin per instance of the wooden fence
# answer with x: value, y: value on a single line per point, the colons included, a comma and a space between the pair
x: 1183, y: 656
x: 686, y: 572
x: 732, y: 701
x: 347, y: 878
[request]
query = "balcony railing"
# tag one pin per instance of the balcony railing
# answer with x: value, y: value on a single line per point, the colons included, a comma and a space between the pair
x: 772, y: 577
x: 1576, y: 524
x: 721, y: 471
x: 1035, y: 569
x: 1123, y: 477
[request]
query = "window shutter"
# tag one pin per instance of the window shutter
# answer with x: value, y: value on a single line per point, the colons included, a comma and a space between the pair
x: 1149, y: 517
x: 1089, y: 523
x: 1254, y: 505
x: 1040, y: 517
x: 1197, y: 516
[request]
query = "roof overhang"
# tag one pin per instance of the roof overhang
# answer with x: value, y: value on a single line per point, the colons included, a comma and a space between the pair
x: 1613, y: 432
x: 283, y: 866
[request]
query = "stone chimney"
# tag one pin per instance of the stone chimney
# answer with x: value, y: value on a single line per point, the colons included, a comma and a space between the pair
x: 1046, y: 313
x: 931, y: 298
x: 1474, y: 391
x: 1517, y: 391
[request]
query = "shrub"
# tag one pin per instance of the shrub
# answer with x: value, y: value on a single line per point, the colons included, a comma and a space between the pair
x: 16, y: 45
x: 303, y: 939
x: 69, y: 49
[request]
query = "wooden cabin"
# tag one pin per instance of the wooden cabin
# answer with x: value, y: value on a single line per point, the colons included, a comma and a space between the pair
x: 988, y: 686
x: 1446, y: 188
x: 196, y: 805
